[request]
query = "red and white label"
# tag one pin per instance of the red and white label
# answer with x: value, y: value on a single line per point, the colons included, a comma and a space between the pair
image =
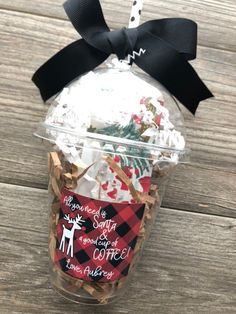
x: 96, y: 239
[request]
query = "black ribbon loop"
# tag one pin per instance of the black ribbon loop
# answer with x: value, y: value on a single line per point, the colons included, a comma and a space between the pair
x: 168, y: 44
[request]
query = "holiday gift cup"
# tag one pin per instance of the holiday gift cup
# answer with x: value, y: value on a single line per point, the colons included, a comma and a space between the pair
x: 114, y: 137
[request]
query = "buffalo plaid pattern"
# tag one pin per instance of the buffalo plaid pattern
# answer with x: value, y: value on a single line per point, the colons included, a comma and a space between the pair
x: 104, y: 246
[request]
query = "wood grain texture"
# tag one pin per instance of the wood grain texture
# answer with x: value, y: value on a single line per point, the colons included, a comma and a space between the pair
x: 207, y: 185
x: 216, y: 19
x: 188, y: 265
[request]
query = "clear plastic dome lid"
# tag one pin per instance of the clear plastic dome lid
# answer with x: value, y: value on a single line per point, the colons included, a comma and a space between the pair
x: 115, y: 109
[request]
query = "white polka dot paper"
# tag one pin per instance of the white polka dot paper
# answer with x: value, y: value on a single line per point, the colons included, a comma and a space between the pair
x: 135, y: 13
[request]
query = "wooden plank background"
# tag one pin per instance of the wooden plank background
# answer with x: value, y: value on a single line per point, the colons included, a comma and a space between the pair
x: 192, y: 250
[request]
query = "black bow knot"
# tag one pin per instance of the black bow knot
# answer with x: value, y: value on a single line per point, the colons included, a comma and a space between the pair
x: 122, y: 41
x: 168, y: 45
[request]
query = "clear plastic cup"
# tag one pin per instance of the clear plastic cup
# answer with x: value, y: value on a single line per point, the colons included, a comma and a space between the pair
x: 108, y: 169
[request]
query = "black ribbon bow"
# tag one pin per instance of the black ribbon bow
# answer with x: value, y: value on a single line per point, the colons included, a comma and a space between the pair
x: 168, y: 44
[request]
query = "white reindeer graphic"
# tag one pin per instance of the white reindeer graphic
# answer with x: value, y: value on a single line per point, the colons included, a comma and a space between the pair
x: 69, y: 234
